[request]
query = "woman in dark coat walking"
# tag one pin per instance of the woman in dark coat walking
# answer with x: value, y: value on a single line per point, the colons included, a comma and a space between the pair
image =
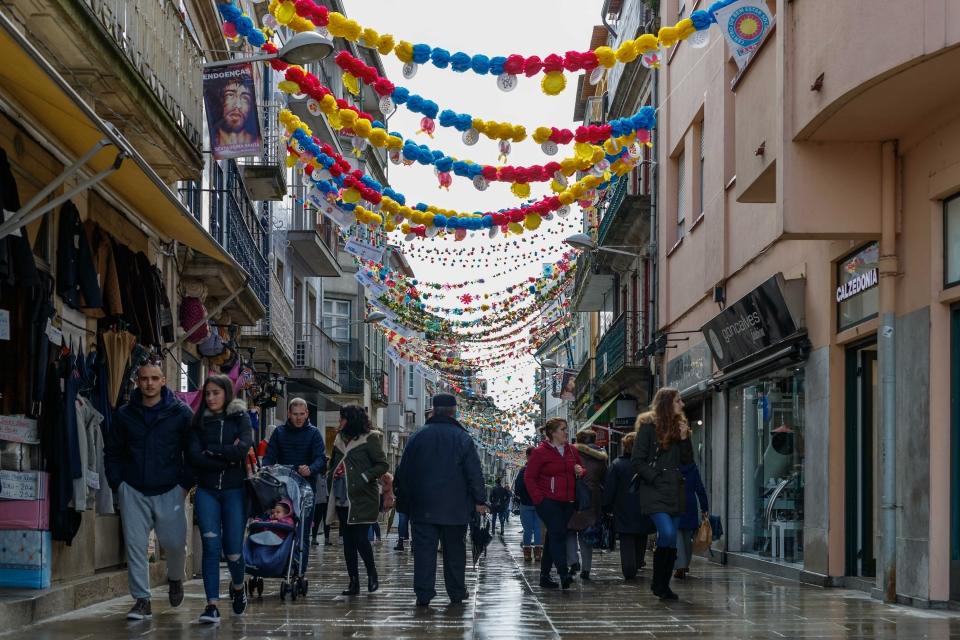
x: 353, y: 487
x: 595, y: 469
x: 691, y: 518
x: 550, y: 477
x: 217, y: 450
x: 662, y: 447
x: 629, y: 520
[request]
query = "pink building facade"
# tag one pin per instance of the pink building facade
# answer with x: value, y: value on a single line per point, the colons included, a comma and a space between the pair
x: 807, y: 212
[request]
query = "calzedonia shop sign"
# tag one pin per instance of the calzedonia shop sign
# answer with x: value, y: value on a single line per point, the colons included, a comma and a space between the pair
x: 858, y: 284
x: 765, y: 317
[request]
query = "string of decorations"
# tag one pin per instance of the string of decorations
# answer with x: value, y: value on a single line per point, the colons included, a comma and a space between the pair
x: 308, y: 15
x: 471, y: 128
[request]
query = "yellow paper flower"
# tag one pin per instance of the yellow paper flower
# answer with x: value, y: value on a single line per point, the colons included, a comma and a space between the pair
x: 605, y: 56
x: 351, y: 83
x: 553, y: 83
x: 532, y: 221
x: 520, y: 189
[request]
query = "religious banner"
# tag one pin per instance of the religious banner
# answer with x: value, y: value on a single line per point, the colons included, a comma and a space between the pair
x: 744, y: 24
x: 230, y: 99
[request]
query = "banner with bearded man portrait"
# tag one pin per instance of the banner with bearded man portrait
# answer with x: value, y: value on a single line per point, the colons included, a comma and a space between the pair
x: 230, y: 97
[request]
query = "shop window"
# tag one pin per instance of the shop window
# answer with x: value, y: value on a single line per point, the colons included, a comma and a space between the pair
x: 769, y: 412
x: 858, y: 291
x: 951, y: 241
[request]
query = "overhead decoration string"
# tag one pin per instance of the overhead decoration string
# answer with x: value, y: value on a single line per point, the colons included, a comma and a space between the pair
x: 308, y: 15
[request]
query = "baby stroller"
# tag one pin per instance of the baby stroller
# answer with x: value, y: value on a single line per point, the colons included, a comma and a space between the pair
x: 275, y: 549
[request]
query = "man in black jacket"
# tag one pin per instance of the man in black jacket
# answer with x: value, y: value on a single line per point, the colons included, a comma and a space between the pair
x: 145, y: 466
x: 299, y: 444
x: 499, y: 504
x: 439, y: 484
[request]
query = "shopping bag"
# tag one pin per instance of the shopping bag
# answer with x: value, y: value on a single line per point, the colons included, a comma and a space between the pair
x: 703, y: 538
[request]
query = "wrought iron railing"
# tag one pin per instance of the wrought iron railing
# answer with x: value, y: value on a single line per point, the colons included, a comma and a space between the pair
x: 377, y: 391
x: 279, y: 320
x: 584, y: 386
x: 351, y: 376
x: 614, y: 201
x: 155, y: 39
x: 314, y: 349
x: 246, y: 237
x: 618, y: 347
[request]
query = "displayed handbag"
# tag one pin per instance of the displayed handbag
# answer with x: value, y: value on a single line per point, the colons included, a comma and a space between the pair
x: 703, y: 538
x: 636, y: 480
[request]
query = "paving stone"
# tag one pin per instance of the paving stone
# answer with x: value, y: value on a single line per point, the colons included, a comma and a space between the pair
x: 507, y: 602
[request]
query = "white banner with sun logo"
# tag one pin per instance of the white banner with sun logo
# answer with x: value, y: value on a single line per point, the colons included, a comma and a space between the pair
x: 744, y: 24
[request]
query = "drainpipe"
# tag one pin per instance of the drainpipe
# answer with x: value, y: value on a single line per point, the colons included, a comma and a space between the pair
x: 886, y: 354
x: 654, y: 252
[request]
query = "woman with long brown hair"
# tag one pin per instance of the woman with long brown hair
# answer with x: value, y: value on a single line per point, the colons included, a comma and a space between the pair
x: 662, y: 446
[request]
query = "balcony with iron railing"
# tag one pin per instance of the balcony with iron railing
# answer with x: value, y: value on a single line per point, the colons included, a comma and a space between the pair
x: 264, y: 176
x: 315, y: 358
x: 593, y: 281
x: 584, y: 388
x: 246, y: 238
x: 378, y: 386
x: 626, y: 221
x: 273, y: 335
x: 313, y: 237
x: 351, y: 375
x: 619, y: 367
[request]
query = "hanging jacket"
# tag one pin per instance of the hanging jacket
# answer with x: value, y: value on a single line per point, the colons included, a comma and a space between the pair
x: 294, y: 446
x: 363, y: 463
x: 550, y: 475
x: 439, y: 479
x: 77, y: 281
x: 17, y: 266
x: 217, y: 449
x: 150, y: 457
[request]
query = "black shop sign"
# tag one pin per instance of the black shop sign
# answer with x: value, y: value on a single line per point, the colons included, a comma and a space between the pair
x: 759, y: 320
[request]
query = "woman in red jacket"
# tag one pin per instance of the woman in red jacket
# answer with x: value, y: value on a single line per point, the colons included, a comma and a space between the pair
x: 550, y: 478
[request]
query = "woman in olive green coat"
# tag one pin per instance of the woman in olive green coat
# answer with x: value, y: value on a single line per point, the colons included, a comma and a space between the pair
x: 356, y: 464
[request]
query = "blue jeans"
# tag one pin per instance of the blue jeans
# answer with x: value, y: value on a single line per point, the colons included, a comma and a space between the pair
x: 530, y: 521
x: 666, y: 525
x: 403, y: 526
x: 221, y: 516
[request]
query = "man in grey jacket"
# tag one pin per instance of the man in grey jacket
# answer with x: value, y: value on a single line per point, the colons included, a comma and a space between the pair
x: 439, y: 485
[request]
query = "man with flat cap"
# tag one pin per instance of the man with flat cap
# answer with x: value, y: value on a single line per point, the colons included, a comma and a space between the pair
x: 439, y: 485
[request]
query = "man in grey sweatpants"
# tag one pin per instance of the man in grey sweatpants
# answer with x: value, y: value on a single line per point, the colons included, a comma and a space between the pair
x: 144, y: 459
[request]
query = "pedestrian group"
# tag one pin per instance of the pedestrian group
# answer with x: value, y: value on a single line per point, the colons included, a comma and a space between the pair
x: 160, y: 450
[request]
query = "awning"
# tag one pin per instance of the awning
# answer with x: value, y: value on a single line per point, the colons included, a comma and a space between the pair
x: 595, y: 416
x: 37, y: 89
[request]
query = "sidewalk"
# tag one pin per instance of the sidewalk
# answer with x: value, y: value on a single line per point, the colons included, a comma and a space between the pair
x: 716, y: 602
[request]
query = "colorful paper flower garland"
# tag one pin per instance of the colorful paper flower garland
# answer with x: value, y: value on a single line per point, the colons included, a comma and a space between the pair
x: 307, y: 15
x: 471, y: 127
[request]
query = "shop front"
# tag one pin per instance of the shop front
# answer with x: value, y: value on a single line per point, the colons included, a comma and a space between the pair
x: 759, y: 343
x: 689, y: 373
x: 857, y: 298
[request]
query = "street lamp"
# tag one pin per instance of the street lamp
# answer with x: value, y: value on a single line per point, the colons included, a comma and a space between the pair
x: 546, y: 363
x: 374, y: 317
x: 303, y: 48
x: 585, y: 243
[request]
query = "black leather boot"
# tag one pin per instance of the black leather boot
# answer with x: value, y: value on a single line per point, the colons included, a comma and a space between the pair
x: 354, y: 588
x: 669, y: 558
x: 373, y: 581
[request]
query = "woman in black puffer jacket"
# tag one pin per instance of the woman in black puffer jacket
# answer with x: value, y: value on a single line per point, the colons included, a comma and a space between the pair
x: 219, y: 441
x: 662, y: 446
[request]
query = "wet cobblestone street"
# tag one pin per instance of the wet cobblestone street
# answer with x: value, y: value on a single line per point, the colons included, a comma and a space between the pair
x: 506, y: 602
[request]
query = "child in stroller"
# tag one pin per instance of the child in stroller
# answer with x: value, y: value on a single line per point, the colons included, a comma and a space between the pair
x: 269, y: 550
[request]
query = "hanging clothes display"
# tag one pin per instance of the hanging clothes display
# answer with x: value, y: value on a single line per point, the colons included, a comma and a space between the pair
x: 118, y: 345
x: 77, y: 281
x: 16, y: 257
x: 59, y: 446
x: 105, y: 265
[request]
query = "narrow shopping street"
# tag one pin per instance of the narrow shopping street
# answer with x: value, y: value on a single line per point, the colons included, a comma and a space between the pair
x: 716, y: 602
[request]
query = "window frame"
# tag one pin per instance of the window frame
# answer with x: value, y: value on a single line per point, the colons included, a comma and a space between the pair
x: 954, y: 199
x: 334, y: 318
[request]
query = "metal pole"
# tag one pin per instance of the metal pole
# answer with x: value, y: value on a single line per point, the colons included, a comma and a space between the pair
x: 886, y: 354
x: 543, y: 405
